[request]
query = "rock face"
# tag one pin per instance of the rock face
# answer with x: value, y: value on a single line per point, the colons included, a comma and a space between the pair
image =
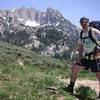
x: 46, y: 32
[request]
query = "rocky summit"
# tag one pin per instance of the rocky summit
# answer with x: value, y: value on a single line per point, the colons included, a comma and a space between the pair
x: 46, y: 32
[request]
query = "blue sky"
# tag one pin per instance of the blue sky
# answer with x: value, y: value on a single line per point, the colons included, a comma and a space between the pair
x: 70, y: 9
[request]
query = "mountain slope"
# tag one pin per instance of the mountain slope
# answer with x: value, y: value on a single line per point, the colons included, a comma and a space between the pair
x: 8, y: 54
x: 32, y: 80
x: 44, y: 32
x: 39, y: 78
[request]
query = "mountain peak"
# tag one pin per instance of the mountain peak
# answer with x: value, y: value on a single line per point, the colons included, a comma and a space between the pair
x: 31, y: 28
x: 50, y: 9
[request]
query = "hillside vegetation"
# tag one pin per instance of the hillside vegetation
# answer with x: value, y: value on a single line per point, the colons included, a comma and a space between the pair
x: 36, y: 79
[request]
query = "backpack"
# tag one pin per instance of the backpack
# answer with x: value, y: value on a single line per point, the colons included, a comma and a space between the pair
x: 96, y: 25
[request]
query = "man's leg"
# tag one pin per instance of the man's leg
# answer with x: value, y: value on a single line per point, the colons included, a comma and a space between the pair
x: 98, y: 76
x: 74, y: 73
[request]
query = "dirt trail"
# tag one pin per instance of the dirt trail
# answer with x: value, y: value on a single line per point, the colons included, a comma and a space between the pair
x: 90, y: 83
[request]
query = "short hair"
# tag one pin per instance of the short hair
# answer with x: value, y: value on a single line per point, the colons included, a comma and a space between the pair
x: 84, y: 18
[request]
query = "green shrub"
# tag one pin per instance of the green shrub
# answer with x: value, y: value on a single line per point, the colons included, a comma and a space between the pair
x: 3, y: 95
x: 86, y: 93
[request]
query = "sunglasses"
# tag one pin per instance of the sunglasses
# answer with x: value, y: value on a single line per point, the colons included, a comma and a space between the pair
x: 84, y: 22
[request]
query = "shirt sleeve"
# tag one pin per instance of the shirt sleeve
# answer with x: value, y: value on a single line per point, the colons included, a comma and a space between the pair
x: 96, y: 31
x: 97, y: 34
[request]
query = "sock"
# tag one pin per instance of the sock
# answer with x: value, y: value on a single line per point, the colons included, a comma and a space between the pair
x: 72, y: 84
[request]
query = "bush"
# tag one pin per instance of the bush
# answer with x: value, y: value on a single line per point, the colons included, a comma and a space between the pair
x: 86, y: 93
x: 3, y: 95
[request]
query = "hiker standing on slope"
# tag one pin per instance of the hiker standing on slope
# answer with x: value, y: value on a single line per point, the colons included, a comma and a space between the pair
x: 89, y: 53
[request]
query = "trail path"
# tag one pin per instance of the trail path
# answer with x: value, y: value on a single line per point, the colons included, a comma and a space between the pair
x: 90, y: 83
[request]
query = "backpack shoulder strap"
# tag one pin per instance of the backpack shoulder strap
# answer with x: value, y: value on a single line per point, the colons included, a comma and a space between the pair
x: 81, y: 34
x: 91, y: 37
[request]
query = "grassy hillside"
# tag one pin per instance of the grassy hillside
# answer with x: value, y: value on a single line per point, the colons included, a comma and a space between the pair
x: 33, y: 80
x: 9, y: 52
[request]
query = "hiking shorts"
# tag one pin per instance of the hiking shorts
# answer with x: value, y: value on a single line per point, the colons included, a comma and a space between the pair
x: 94, y: 65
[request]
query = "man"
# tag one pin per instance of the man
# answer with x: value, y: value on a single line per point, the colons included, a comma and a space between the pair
x: 89, y: 53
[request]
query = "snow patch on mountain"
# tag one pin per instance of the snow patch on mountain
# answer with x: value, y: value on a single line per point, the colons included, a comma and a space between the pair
x: 32, y: 23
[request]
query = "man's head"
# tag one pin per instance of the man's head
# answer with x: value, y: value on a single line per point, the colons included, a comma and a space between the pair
x: 84, y: 21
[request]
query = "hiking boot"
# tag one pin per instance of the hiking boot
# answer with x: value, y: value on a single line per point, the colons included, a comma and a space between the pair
x: 69, y: 89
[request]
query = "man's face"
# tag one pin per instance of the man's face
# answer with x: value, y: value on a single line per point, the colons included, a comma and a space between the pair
x: 84, y: 23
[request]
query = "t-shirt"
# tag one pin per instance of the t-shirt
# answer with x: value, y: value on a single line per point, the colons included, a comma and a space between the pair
x: 88, y: 44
